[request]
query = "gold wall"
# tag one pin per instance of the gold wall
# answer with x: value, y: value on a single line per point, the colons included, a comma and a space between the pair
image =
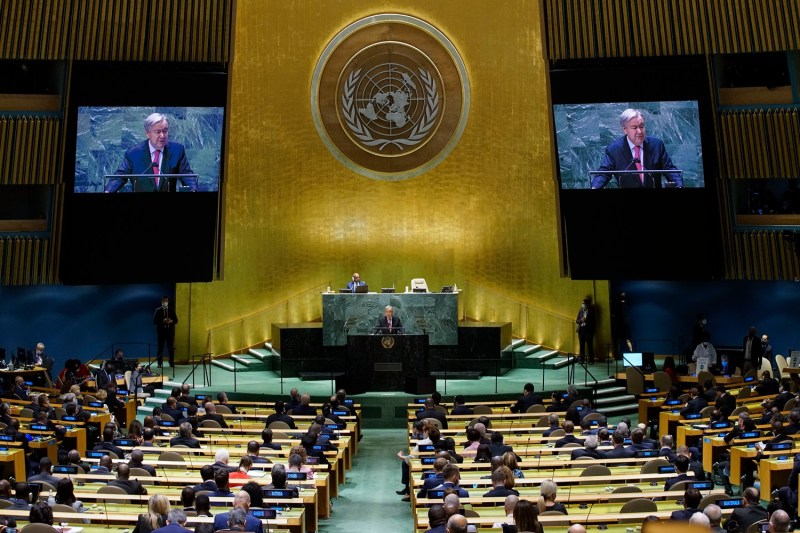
x: 295, y: 218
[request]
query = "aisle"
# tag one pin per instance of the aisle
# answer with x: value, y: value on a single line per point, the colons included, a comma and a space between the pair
x: 368, y: 501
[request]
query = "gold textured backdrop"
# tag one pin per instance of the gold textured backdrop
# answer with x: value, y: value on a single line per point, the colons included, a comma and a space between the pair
x: 296, y: 219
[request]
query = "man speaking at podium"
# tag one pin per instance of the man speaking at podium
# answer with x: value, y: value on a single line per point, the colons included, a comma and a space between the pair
x: 156, y: 155
x: 388, y: 323
x: 636, y: 151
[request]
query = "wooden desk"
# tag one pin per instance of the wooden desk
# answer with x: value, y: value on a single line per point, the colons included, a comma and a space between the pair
x: 13, y: 459
x: 774, y: 473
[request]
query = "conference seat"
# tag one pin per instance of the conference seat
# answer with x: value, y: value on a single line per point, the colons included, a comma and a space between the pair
x: 222, y: 410
x: 766, y: 366
x: 639, y: 505
x: 25, y: 413
x: 684, y: 398
x: 278, y: 424
x: 709, y: 499
x: 593, y: 470
x: 280, y: 435
x: 662, y: 381
x: 680, y: 486
x: 482, y: 410
x: 651, y: 466
x: 790, y: 404
x: 5, y: 504
x: 110, y: 454
x: 536, y: 408
x: 564, y: 522
x: 704, y: 376
x: 109, y: 489
x: 755, y: 527
x: 626, y: 489
x: 744, y: 393
x: 171, y: 456
x: 441, y: 408
x: 46, y: 486
x: 570, y: 444
x: 39, y: 528
x: 419, y: 283
x: 543, y: 422
x: 435, y: 422
x: 211, y: 424
x: 60, y: 413
x: 136, y: 473
x: 705, y: 412
x: 594, y: 416
x: 741, y: 409
x: 168, y: 418
x: 635, y: 380
x: 63, y: 508
x: 88, y: 398
x: 781, y: 363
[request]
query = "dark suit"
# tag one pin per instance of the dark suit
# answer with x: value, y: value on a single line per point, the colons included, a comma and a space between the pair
x: 430, y: 483
x: 684, y: 515
x: 618, y: 156
x: 383, y: 325
x: 524, y: 402
x: 138, y: 161
x: 209, y: 484
x: 165, y: 333
x: 149, y: 469
x: 21, y: 393
x: 131, y: 486
x: 462, y: 410
x: 217, y: 418
x: 568, y: 439
x: 620, y: 452
x: 695, y: 405
x: 677, y: 479
x: 184, y: 441
x: 726, y: 404
x: 788, y: 493
x: 497, y: 450
x: 282, y: 418
x: 110, y: 447
x: 501, y: 492
x: 304, y: 410
x: 173, y: 528
x: 667, y: 454
x: 47, y: 478
x: 747, y: 516
x: 583, y: 452
x: 433, y: 413
x: 252, y: 524
x: 353, y: 284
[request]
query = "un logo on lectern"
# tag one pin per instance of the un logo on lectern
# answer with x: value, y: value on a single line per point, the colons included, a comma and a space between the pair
x: 390, y: 96
x: 387, y: 342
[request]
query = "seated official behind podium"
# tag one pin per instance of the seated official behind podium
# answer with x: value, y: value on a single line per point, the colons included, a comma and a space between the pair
x: 636, y: 151
x: 388, y: 323
x: 355, y: 281
x: 156, y: 155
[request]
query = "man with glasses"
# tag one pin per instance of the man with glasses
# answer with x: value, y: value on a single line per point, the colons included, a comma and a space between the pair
x: 636, y: 151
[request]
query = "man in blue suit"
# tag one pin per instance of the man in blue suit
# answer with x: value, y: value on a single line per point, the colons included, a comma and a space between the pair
x: 636, y: 151
x: 355, y: 282
x: 156, y: 155
x: 175, y: 523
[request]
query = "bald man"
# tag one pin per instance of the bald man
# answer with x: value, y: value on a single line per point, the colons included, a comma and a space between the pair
x: 240, y: 501
x: 123, y: 481
x: 456, y: 524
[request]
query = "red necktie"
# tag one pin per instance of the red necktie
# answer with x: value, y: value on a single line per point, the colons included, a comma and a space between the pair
x: 637, y: 150
x: 155, y: 166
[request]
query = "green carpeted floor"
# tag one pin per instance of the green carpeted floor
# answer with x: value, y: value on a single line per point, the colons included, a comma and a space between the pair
x: 368, y: 501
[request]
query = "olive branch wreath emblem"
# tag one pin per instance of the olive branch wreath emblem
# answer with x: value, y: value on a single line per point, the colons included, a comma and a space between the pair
x: 420, y: 130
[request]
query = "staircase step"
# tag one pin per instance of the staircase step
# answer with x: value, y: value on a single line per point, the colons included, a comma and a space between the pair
x: 610, y: 391
x: 245, y: 360
x: 261, y: 354
x: 599, y: 383
x: 225, y: 365
x: 527, y: 349
x: 619, y: 409
x: 561, y: 362
x: 627, y: 399
x: 543, y: 356
x: 517, y: 342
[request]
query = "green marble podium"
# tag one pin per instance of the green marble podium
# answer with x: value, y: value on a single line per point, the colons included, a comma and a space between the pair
x: 432, y: 314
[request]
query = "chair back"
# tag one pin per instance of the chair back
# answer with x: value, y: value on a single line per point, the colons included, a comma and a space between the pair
x: 535, y: 408
x: 137, y: 472
x: 60, y: 413
x: 594, y: 416
x: 482, y: 410
x: 26, y: 413
x: 635, y: 380
x: 651, y: 466
x: 639, y: 505
x: 128, y: 380
x: 594, y: 470
x: 63, y: 508
x: 435, y: 422
x: 744, y: 392
x: 223, y: 410
x: 558, y: 433
x: 755, y: 527
x: 88, y: 398
x: 709, y: 499
x: 543, y: 421
x: 5, y: 504
x: 706, y: 411
x: 441, y: 408
x: 168, y: 418
x: 680, y: 486
x: 419, y: 283
x: 766, y: 366
x: 662, y: 381
x: 626, y: 489
x: 704, y: 376
x: 39, y: 528
x: 741, y: 409
x: 781, y: 363
x: 111, y: 489
x: 278, y: 424
x: 171, y: 456
x: 208, y: 423
x: 790, y: 404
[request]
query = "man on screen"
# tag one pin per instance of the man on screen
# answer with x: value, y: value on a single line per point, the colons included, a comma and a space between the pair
x: 636, y: 151
x: 389, y: 323
x: 156, y: 155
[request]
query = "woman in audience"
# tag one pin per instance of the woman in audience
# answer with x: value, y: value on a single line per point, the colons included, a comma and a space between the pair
x: 669, y: 368
x: 241, y: 476
x: 135, y: 430
x: 524, y: 519
x: 483, y: 454
x: 474, y: 440
x: 508, y: 475
x: 65, y: 495
x: 156, y: 516
x: 510, y: 460
x: 41, y: 513
x: 547, y: 499
x: 304, y: 467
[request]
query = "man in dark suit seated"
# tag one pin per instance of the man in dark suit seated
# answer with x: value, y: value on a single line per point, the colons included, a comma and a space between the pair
x: 752, y: 511
x: 431, y: 412
x: 252, y: 451
x: 527, y: 399
x: 20, y: 389
x: 436, y: 480
x: 388, y: 324
x: 266, y: 440
x: 136, y: 461
x: 589, y: 449
x: 619, y: 451
x: 637, y: 441
x: 569, y: 429
x: 222, y: 479
x: 497, y: 446
x: 726, y: 403
x: 171, y: 408
x: 222, y: 399
x: 636, y: 151
x: 784, y: 395
x: 186, y: 395
x: 45, y: 474
x: 105, y: 376
x: 240, y: 501
x: 681, y: 467
x: 459, y: 408
x: 768, y: 385
x: 437, y: 519
x: 554, y: 424
x: 499, y: 486
x: 123, y: 481
x: 157, y: 155
x: 666, y: 448
x: 207, y: 475
x: 103, y: 467
x: 452, y: 476
x: 695, y: 404
x: 221, y: 459
x: 176, y: 519
x: 280, y: 415
x: 108, y: 444
x: 185, y: 437
x: 691, y: 499
x: 211, y: 414
x: 304, y: 409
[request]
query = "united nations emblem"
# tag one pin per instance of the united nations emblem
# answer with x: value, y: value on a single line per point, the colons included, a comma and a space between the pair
x: 390, y: 96
x: 387, y: 342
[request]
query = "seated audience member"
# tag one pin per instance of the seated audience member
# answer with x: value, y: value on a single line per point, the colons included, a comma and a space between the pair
x: 681, y: 467
x: 509, y: 459
x: 176, y: 523
x: 452, y: 476
x: 241, y: 502
x: 253, y: 449
x: 207, y: 475
x: 171, y: 408
x: 619, y: 451
x: 221, y: 459
x: 694, y: 465
x: 525, y: 518
x: 241, y: 476
x: 527, y: 399
x: 65, y: 495
x: 548, y: 491
x: 108, y: 444
x: 767, y: 386
x: 780, y: 522
x: 186, y: 395
x: 256, y: 493
x: 474, y: 440
x: 430, y: 411
x: 589, y: 449
x: 691, y: 499
x: 279, y: 479
x: 437, y: 478
x: 499, y: 486
x: 304, y: 409
x: 202, y: 505
x: 498, y: 447
x: 459, y: 407
x: 104, y: 466
x: 40, y: 513
x: 637, y: 441
x: 74, y: 459
x: 666, y: 448
x: 280, y: 416
x: 305, y: 467
x: 185, y: 437
x: 137, y: 456
x: 483, y: 454
x: 714, y: 514
x: 784, y: 395
x: 222, y: 399
x: 22, y: 496
x: 557, y: 404
x: 569, y: 438
x: 725, y: 401
x: 700, y: 519
x: 695, y: 404
x: 187, y: 500
x: 123, y: 481
x: 752, y: 511
x: 508, y: 506
x: 211, y: 414
x: 156, y: 515
x: 294, y: 399
x: 437, y: 519
x: 266, y: 440
x: 221, y: 478
x: 45, y: 474
x: 553, y: 424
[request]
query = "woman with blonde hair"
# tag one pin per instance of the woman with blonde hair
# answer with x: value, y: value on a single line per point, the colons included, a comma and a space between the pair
x: 156, y: 516
x: 547, y: 499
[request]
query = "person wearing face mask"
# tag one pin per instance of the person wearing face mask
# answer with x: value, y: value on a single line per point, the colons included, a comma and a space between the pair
x: 164, y: 319
x: 705, y: 349
x: 586, y: 325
